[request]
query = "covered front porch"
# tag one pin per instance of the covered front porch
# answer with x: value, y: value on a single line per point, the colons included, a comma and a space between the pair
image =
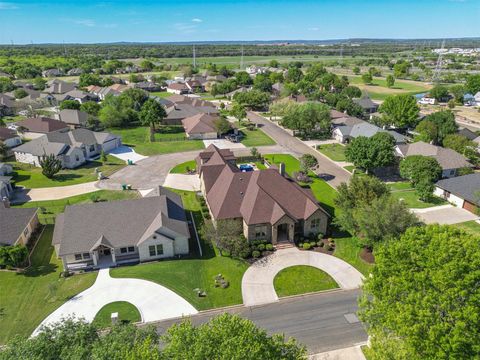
x: 283, y: 231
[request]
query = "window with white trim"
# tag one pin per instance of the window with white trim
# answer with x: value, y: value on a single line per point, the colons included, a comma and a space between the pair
x: 128, y: 249
x: 156, y: 250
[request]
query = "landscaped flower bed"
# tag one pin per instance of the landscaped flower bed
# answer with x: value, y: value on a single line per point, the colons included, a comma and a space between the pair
x: 317, y: 243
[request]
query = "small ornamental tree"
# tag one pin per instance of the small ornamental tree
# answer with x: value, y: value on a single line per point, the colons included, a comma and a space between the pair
x: 367, y: 78
x: 152, y: 114
x: 222, y: 125
x: 239, y: 111
x: 308, y: 162
x: 70, y: 104
x: 390, y: 80
x: 50, y: 165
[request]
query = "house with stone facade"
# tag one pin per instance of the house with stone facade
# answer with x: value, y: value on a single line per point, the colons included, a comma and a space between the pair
x: 118, y: 232
x: 270, y: 205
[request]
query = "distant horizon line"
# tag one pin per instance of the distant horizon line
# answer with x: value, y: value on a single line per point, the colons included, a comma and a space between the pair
x: 245, y: 42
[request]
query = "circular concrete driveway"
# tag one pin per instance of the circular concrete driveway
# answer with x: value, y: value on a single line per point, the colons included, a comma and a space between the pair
x: 257, y: 282
x: 153, y: 301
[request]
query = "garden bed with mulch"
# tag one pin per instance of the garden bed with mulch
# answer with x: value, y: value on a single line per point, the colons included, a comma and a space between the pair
x: 326, y: 246
x: 366, y: 255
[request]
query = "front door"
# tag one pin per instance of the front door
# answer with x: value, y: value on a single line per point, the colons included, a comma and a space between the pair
x: 282, y: 232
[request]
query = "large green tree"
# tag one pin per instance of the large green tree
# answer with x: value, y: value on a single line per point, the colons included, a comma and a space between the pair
x: 473, y: 84
x: 151, y: 115
x: 6, y: 85
x: 228, y: 337
x: 439, y: 92
x: 422, y: 300
x: 253, y: 99
x: 373, y: 152
x: 400, y: 111
x: 307, y: 118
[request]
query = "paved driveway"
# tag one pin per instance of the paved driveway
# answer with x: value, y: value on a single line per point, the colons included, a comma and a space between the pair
x: 444, y: 215
x: 183, y: 182
x: 331, y: 172
x: 224, y: 144
x: 53, y: 193
x: 127, y: 153
x: 153, y: 301
x: 257, y: 282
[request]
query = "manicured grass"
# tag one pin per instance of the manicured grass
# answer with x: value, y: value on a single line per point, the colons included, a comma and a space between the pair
x: 255, y: 137
x: 347, y: 248
x: 54, y: 207
x: 469, y: 226
x: 182, y: 168
x: 349, y: 168
x: 127, y: 313
x: 31, y: 176
x: 185, y: 275
x: 292, y: 164
x: 324, y: 193
x: 161, y: 94
x: 26, y: 299
x: 378, y: 90
x: 336, y: 152
x: 302, y: 279
x: 403, y: 191
x: 168, y: 139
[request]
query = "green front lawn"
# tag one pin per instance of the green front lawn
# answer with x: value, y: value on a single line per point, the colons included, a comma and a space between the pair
x: 335, y: 152
x: 185, y: 275
x: 469, y: 226
x: 302, y: 279
x: 31, y: 176
x: 255, y: 137
x: 347, y: 248
x: 168, y: 139
x: 50, y: 209
x: 26, y: 299
x: 127, y: 313
x: 184, y: 167
x: 292, y: 164
x: 161, y: 94
x: 403, y: 191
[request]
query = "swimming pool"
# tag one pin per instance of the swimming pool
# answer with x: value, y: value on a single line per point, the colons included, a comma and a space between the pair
x: 246, y: 167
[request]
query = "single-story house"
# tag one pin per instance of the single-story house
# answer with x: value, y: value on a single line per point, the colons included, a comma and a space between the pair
x: 345, y: 133
x: 200, y: 126
x: 7, y: 105
x: 268, y: 203
x: 59, y: 87
x: 39, y: 126
x: 195, y: 86
x: 190, y: 100
x: 449, y: 160
x: 148, y: 86
x: 52, y: 73
x: 72, y: 147
x: 178, y: 112
x: 178, y: 88
x: 75, y: 72
x: 80, y: 96
x: 17, y: 224
x: 9, y: 137
x: 462, y: 191
x: 74, y: 118
x: 117, y: 232
x: 368, y: 106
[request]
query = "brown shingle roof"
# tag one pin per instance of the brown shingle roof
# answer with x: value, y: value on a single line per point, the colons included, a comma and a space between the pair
x: 42, y: 124
x: 199, y: 124
x: 6, y: 134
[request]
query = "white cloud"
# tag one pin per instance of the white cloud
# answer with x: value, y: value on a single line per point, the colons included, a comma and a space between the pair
x: 314, y: 29
x: 8, y: 6
x: 85, y: 22
x: 197, y: 20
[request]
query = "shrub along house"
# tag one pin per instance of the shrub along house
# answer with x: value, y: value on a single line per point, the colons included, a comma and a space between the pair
x: 270, y: 205
x: 118, y: 232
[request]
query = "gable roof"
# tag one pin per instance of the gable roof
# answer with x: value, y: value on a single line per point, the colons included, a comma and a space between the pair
x: 42, y: 124
x: 199, y: 124
x: 7, y: 101
x: 365, y: 102
x: 75, y: 117
x: 119, y: 223
x: 447, y: 158
x: 469, y: 134
x: 12, y: 222
x: 366, y: 129
x: 466, y: 187
x: 60, y: 87
x: 6, y: 133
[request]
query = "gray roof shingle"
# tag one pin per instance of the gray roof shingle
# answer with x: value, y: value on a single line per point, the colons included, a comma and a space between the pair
x: 467, y: 187
x: 12, y: 222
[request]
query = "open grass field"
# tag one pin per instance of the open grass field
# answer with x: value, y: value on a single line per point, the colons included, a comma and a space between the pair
x: 185, y: 275
x: 336, y: 152
x: 378, y: 90
x: 169, y: 139
x: 27, y: 298
x: 256, y: 137
x: 127, y: 313
x: 302, y: 279
x: 50, y: 209
x: 403, y: 191
x: 31, y: 176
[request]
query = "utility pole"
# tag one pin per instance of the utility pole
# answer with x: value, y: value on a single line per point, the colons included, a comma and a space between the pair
x: 241, y: 59
x: 194, y: 58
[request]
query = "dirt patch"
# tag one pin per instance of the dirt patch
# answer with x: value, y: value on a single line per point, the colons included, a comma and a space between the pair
x: 367, y: 256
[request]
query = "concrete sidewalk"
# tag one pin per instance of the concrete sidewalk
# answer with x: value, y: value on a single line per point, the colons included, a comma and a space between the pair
x: 257, y: 282
x: 153, y: 301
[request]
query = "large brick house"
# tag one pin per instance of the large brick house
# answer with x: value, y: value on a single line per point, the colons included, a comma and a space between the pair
x: 269, y: 204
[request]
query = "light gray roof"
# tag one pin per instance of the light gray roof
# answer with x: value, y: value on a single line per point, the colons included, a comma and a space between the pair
x: 59, y: 142
x: 366, y: 129
x: 75, y: 117
x: 366, y: 103
x: 119, y: 223
x: 447, y: 158
x: 12, y: 222
x: 466, y: 187
x: 60, y: 87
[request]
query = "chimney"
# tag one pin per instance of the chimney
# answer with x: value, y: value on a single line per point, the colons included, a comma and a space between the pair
x: 281, y: 168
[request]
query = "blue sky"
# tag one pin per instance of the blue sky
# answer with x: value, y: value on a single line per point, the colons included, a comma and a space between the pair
x: 25, y: 21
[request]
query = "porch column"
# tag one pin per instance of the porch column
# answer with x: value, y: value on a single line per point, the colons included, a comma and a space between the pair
x: 65, y: 265
x: 113, y: 256
x: 274, y: 234
x: 95, y: 257
x: 291, y: 232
